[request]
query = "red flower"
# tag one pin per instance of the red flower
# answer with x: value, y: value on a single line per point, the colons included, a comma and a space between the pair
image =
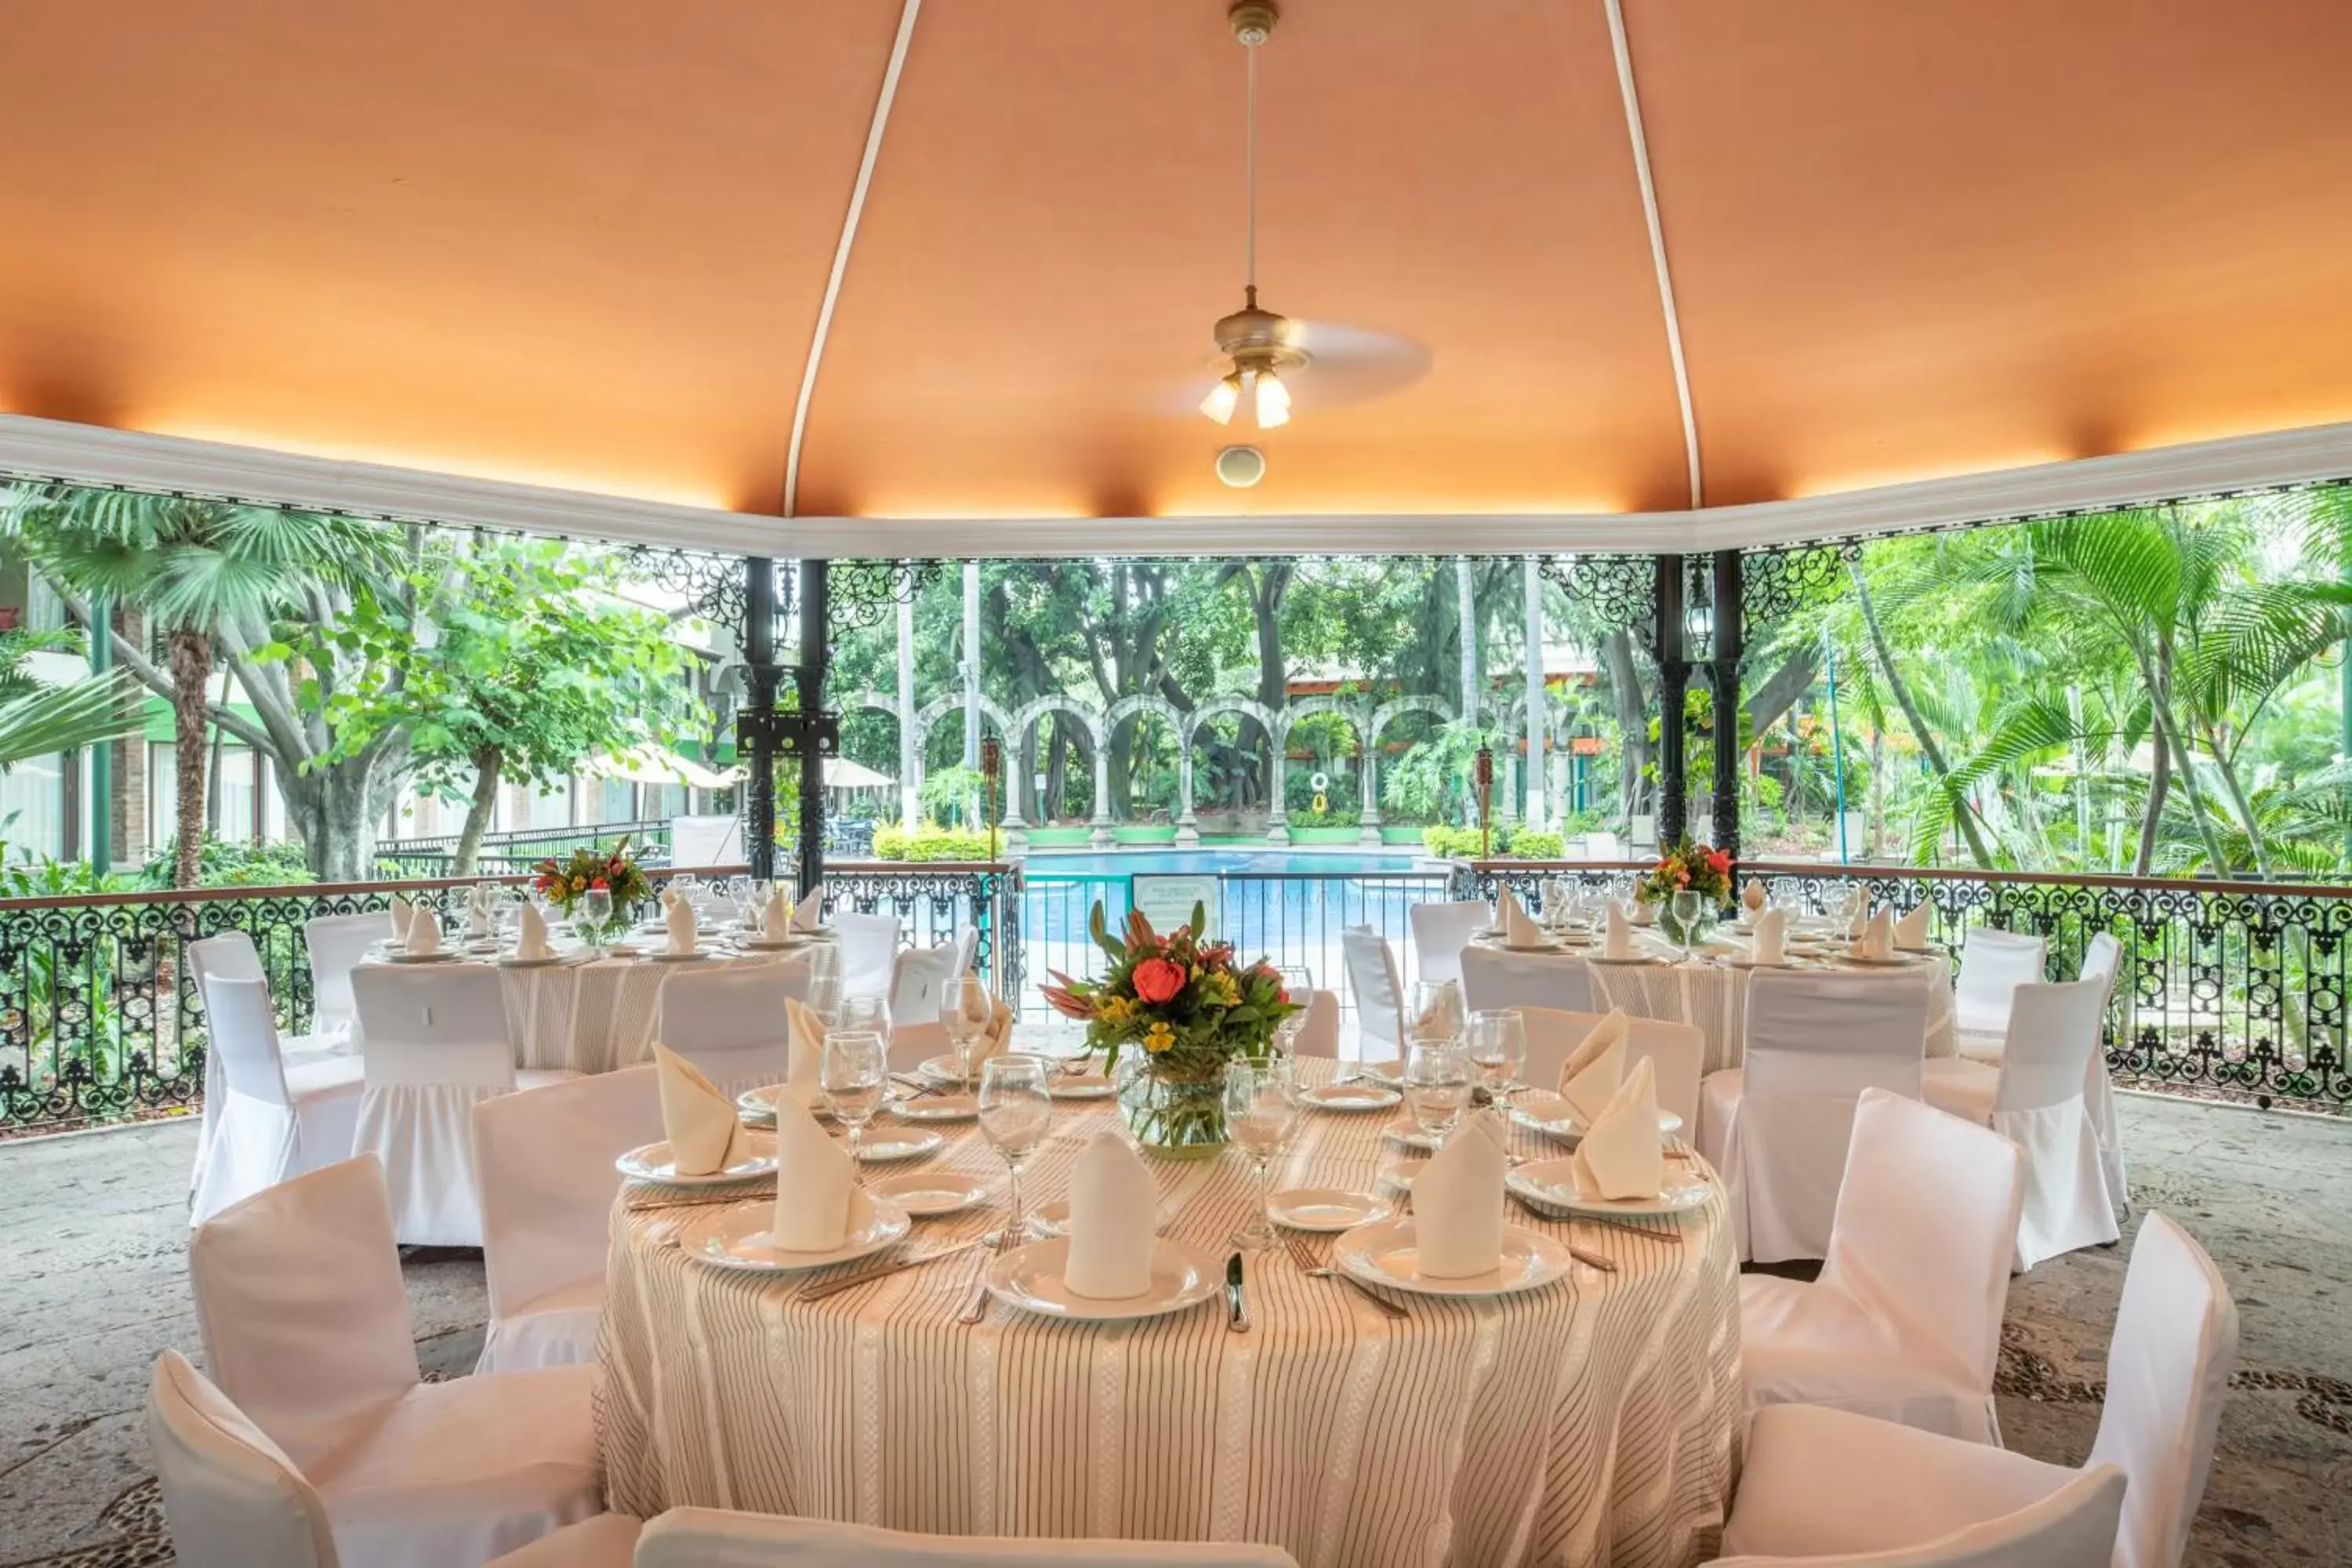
x: 1157, y: 980
x: 1720, y: 860
x: 598, y: 882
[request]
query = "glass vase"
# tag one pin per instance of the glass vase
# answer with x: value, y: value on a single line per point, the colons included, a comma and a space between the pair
x: 1178, y: 1113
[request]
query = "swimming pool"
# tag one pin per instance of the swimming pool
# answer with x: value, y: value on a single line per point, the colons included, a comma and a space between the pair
x: 1047, y: 865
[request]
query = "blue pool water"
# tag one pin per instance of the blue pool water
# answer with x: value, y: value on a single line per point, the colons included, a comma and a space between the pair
x: 1049, y: 866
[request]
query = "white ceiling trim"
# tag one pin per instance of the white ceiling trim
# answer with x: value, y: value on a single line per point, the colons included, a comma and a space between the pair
x: 1633, y: 97
x: 85, y: 454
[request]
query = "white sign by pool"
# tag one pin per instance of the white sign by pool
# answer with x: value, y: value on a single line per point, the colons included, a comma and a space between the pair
x: 1167, y: 900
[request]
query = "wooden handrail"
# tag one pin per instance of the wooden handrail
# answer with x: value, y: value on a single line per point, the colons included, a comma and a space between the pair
x: 1952, y: 874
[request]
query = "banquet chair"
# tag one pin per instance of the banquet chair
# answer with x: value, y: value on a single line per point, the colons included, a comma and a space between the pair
x: 1677, y: 1052
x: 2102, y: 959
x: 436, y: 1044
x: 730, y: 1020
x: 1777, y: 1126
x: 1440, y: 932
x: 868, y: 946
x: 1492, y: 978
x: 2036, y: 1100
x: 231, y: 955
x: 919, y: 977
x: 1825, y: 1481
x: 545, y: 1163
x: 1904, y: 1322
x: 2074, y: 1527
x: 1993, y: 964
x: 1320, y: 1035
x: 967, y: 948
x: 336, y: 944
x: 1380, y: 999
x: 715, y: 1538
x: 273, y: 1119
x: 233, y: 1499
x: 305, y: 1324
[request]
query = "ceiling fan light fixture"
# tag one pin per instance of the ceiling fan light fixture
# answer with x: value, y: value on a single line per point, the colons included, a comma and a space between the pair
x: 1272, y: 400
x: 1223, y: 399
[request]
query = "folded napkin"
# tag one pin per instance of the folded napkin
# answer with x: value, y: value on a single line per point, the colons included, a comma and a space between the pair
x: 704, y: 1134
x: 1442, y: 1019
x: 1457, y: 1202
x: 778, y: 918
x: 1113, y: 1204
x: 810, y: 910
x: 1854, y: 928
x: 998, y: 1039
x: 1751, y: 898
x: 402, y: 912
x: 1877, y: 938
x: 1911, y: 931
x: 819, y: 1204
x: 678, y: 918
x: 477, y: 917
x: 805, y: 1053
x: 530, y: 933
x: 1769, y: 943
x: 1518, y: 931
x: 1617, y: 936
x: 1590, y: 1077
x: 1621, y: 1156
x: 424, y: 931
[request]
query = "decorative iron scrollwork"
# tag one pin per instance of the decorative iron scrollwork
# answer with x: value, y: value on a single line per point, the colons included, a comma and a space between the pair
x: 712, y: 585
x: 1778, y: 583
x: 865, y: 592
x: 1620, y: 590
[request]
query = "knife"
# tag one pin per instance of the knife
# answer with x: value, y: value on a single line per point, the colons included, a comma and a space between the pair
x: 1237, y: 1318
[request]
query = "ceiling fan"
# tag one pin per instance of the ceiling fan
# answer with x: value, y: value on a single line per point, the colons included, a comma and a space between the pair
x: 1262, y: 355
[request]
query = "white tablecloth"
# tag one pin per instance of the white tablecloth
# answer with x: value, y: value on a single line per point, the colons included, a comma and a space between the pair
x: 1593, y: 1421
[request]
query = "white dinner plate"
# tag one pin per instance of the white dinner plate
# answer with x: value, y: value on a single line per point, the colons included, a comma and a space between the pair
x: 1385, y: 1253
x: 1349, y: 1097
x: 438, y: 955
x: 654, y: 1163
x: 1897, y: 962
x: 1741, y: 960
x: 1531, y: 947
x: 738, y: 1237
x: 1080, y: 1086
x: 1033, y: 1278
x: 888, y: 1144
x: 962, y: 1107
x: 759, y: 1105
x: 1412, y: 1137
x: 769, y: 944
x: 1326, y: 1209
x: 926, y: 1192
x: 1552, y: 1184
x: 1550, y: 1115
x: 941, y: 1069
x: 664, y: 956
x: 1649, y: 959
x: 1390, y: 1072
x: 514, y: 961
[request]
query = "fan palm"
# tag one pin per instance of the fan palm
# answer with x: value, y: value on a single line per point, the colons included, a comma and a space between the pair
x: 37, y: 720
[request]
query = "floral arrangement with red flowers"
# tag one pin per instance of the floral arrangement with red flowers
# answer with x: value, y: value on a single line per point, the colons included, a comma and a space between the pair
x: 566, y: 883
x: 1688, y: 867
x: 1190, y: 1003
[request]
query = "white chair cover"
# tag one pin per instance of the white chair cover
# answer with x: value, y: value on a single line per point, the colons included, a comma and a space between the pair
x: 1492, y: 978
x: 1380, y: 1001
x: 607, y: 1541
x: 231, y: 955
x: 1777, y: 1126
x: 1994, y: 964
x: 1320, y: 1035
x: 918, y: 982
x: 2102, y: 957
x: 712, y: 1538
x: 2168, y: 1368
x: 1677, y: 1052
x: 731, y: 1021
x: 868, y: 946
x: 436, y: 1043
x: 1440, y: 932
x: 545, y: 1163
x: 1903, y: 1322
x: 336, y: 944
x: 231, y: 1497
x: 697, y: 841
x: 305, y: 1322
x: 272, y: 1122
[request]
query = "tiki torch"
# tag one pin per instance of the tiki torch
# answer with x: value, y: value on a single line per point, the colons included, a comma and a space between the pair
x: 1484, y: 774
x: 991, y: 765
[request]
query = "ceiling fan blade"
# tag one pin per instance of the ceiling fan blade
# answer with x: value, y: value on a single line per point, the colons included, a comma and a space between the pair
x: 1352, y: 364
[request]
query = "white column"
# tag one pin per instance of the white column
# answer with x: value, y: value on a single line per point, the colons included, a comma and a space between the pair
x: 971, y: 678
x: 1539, y: 812
x: 911, y: 780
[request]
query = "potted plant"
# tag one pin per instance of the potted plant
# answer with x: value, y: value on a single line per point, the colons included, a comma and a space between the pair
x: 1188, y: 1008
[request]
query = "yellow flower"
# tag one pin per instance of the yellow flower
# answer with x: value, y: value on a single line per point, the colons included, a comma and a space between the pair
x: 579, y: 884
x: 1220, y: 989
x: 1161, y: 1038
x: 1114, y: 1010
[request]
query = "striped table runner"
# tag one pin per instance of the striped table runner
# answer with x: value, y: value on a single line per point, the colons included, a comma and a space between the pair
x: 1591, y: 1422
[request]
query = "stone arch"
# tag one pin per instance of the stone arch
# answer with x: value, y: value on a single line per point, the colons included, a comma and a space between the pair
x: 1358, y: 713
x: 1024, y: 719
x: 911, y: 757
x: 1368, y: 818
x: 1277, y: 732
x: 948, y: 702
x: 1141, y: 702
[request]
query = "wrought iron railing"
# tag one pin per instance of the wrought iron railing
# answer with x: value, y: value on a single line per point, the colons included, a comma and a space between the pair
x: 100, y: 1017
x: 2235, y: 989
x: 518, y: 850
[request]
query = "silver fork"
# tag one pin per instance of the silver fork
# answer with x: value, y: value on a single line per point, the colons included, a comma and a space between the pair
x: 975, y: 1306
x: 1314, y: 1270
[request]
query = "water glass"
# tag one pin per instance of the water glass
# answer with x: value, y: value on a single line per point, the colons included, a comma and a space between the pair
x: 854, y: 1071
x: 965, y: 1012
x: 1260, y: 1118
x: 1498, y: 1048
x: 864, y: 1012
x: 1015, y: 1111
x: 1437, y: 1086
x: 1686, y: 907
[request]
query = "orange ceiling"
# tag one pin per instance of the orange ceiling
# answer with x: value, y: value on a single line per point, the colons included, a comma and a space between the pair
x: 587, y: 244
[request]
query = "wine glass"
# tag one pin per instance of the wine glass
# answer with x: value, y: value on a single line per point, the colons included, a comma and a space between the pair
x: 1015, y: 1109
x: 1685, y: 906
x: 1436, y: 1010
x: 1498, y: 1048
x: 1437, y: 1086
x: 863, y: 1013
x: 1260, y: 1118
x: 596, y: 914
x: 965, y: 1012
x: 854, y: 1071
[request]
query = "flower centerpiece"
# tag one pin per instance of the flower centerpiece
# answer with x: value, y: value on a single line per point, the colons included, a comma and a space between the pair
x: 1189, y: 1007
x: 1696, y: 869
x: 566, y: 884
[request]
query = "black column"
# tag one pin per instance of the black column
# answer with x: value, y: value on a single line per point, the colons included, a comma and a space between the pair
x: 755, y: 732
x: 1673, y: 680
x: 1730, y: 640
x: 816, y: 654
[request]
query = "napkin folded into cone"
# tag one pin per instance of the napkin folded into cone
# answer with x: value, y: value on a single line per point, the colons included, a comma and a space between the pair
x: 530, y: 933
x: 809, y: 911
x: 1113, y: 1206
x: 1877, y: 938
x: 778, y: 918
x: 1751, y: 898
x: 1911, y: 931
x: 679, y: 919
x: 1590, y: 1077
x: 1457, y: 1202
x: 1861, y: 921
x: 1621, y: 1156
x: 704, y: 1134
x: 423, y: 931
x: 804, y: 1055
x: 1769, y: 943
x: 819, y: 1204
x: 1617, y: 936
x: 1519, y: 928
x: 401, y: 912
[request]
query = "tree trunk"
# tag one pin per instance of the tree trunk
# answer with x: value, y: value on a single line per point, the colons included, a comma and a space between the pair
x: 191, y: 654
x: 1465, y: 614
x: 1537, y: 813
x: 489, y: 763
x: 2159, y: 783
x: 1633, y: 718
x: 2239, y: 803
x: 1961, y: 812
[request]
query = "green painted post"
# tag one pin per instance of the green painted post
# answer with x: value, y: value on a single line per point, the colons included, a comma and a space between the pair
x: 102, y: 756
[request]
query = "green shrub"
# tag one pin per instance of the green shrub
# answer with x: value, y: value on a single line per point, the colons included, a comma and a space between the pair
x: 929, y: 841
x: 890, y: 842
x: 1509, y: 842
x: 1529, y: 845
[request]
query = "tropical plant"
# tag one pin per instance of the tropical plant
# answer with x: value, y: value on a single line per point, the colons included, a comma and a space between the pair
x: 37, y: 720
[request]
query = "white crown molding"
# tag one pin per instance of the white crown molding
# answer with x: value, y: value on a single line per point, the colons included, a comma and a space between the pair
x: 86, y: 454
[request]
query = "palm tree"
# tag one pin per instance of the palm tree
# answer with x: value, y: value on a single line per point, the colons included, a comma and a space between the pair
x: 37, y: 720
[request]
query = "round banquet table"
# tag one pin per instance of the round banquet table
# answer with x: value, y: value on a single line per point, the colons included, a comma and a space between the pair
x: 1593, y: 1421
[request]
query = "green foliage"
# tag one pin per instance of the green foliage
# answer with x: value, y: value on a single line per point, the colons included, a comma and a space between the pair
x: 1509, y: 842
x: 1430, y: 780
x: 37, y: 719
x: 230, y: 865
x: 947, y: 791
x: 929, y: 841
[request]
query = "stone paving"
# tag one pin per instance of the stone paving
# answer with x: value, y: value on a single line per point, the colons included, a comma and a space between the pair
x: 92, y: 1284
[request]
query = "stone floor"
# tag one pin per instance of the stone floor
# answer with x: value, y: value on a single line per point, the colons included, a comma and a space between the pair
x: 92, y: 1285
